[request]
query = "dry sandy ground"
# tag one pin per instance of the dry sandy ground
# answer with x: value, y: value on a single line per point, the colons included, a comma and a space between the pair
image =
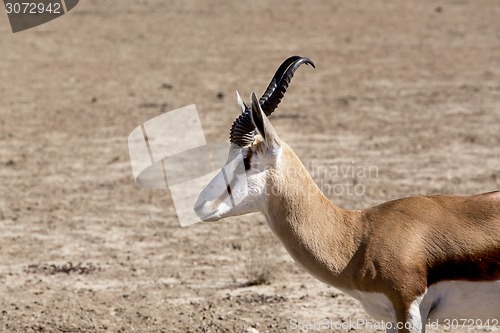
x: 409, y: 89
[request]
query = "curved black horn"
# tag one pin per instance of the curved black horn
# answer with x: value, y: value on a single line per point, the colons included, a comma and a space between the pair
x: 278, y: 85
x: 277, y: 77
x: 243, y: 130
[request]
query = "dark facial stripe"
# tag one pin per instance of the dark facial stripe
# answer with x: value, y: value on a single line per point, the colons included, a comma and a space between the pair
x: 247, y: 162
x: 228, y: 188
x: 479, y: 267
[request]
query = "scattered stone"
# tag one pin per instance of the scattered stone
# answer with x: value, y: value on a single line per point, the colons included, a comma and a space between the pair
x: 67, y: 268
x: 259, y: 299
x: 148, y: 105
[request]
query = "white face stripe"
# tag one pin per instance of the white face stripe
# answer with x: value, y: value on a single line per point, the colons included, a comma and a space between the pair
x: 228, y: 192
x: 239, y: 188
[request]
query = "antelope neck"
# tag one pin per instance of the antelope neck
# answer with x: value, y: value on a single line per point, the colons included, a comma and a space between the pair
x: 320, y: 236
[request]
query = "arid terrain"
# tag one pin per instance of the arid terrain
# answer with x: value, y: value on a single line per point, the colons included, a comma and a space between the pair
x: 404, y: 100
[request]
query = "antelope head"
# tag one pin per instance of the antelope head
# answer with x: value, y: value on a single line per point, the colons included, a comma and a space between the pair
x: 243, y: 184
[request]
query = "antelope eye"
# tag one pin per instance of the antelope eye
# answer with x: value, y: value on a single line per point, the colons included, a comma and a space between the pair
x: 246, y: 161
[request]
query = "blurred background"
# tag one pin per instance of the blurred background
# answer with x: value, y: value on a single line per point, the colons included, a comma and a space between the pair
x: 408, y: 90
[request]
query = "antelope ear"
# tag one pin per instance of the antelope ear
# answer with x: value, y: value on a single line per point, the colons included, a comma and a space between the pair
x: 262, y: 123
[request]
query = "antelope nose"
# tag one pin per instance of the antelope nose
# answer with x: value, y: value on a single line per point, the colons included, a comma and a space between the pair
x: 198, y: 205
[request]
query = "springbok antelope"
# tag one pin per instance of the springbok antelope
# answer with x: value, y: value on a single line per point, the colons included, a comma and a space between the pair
x: 407, y: 261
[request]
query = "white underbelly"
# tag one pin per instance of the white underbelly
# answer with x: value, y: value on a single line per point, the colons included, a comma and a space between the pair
x: 445, y: 300
x: 462, y: 300
x: 377, y: 305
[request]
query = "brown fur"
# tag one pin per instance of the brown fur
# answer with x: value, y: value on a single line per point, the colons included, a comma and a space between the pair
x: 398, y: 248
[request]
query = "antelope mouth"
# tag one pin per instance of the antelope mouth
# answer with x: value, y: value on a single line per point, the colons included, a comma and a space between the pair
x: 201, y: 210
x: 208, y: 217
